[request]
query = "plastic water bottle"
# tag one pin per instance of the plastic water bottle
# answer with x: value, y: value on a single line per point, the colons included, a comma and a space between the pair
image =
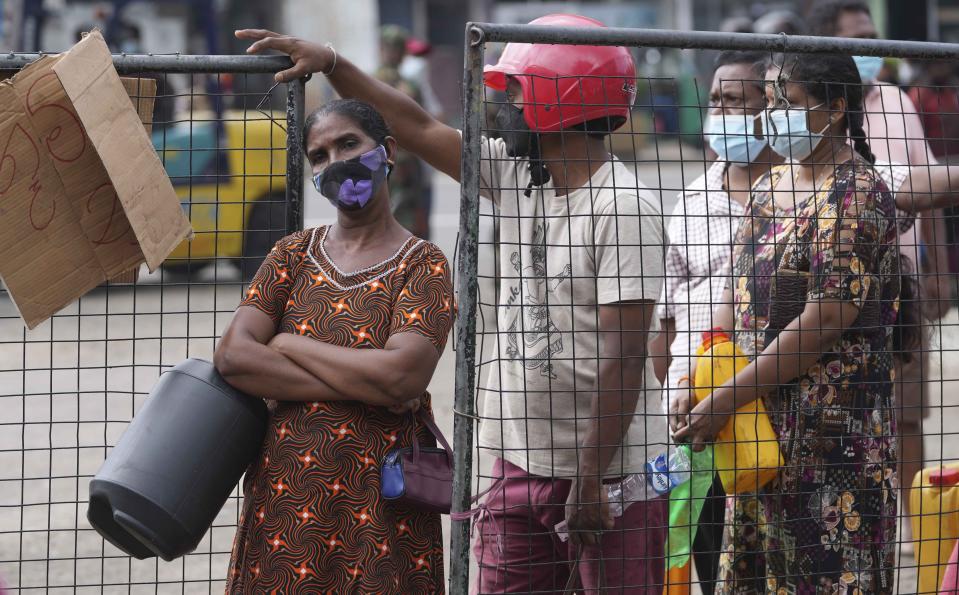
x: 620, y: 495
x: 623, y: 493
x: 664, y: 472
x: 668, y: 469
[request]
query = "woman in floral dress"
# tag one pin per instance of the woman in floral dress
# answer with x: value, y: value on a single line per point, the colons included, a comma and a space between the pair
x: 815, y: 305
x: 341, y: 330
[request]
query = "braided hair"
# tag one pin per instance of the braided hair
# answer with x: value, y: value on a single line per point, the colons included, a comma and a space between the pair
x: 858, y: 135
x: 827, y: 77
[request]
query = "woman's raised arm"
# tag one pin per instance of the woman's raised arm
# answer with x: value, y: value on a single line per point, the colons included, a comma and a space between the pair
x: 415, y: 129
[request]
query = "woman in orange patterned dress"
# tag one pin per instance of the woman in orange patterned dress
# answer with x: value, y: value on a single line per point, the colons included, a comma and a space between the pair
x: 341, y: 330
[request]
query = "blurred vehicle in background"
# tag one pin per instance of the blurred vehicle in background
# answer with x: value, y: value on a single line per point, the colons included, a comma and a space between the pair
x: 228, y: 165
x: 230, y: 174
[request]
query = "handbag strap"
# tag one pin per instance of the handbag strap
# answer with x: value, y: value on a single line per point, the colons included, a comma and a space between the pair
x: 431, y: 426
x: 427, y: 421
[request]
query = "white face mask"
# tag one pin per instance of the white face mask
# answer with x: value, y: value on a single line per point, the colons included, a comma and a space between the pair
x: 787, y: 131
x: 733, y: 137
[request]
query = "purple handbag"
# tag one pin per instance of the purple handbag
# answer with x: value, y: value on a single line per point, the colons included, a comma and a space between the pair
x: 420, y: 476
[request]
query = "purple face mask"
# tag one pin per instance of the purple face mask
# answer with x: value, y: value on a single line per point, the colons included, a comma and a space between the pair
x: 350, y: 185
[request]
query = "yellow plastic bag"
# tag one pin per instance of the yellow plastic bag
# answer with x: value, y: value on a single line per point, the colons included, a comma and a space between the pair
x: 746, y: 451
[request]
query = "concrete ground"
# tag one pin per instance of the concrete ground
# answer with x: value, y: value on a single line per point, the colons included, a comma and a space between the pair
x: 69, y: 387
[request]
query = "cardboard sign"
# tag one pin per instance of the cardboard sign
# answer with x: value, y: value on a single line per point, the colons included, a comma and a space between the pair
x: 84, y: 197
x: 142, y: 92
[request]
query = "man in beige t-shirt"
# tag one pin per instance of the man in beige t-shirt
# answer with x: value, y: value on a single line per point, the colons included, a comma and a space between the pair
x: 570, y: 401
x: 561, y: 257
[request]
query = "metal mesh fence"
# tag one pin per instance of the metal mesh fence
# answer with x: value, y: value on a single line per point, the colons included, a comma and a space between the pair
x: 828, y: 272
x: 559, y: 282
x: 68, y: 388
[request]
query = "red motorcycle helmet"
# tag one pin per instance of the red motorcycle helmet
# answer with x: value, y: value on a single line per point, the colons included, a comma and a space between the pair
x: 566, y: 85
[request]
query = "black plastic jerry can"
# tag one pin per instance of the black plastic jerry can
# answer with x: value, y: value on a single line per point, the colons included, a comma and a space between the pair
x: 163, y: 484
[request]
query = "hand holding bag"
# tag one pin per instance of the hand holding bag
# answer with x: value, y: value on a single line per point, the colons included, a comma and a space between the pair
x: 747, y: 454
x: 421, y: 477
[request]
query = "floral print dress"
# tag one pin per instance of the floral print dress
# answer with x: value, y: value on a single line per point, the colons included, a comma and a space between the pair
x: 827, y: 524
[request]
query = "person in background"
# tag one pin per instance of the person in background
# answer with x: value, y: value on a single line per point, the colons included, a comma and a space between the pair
x: 896, y: 134
x: 128, y: 39
x: 410, y: 177
x: 820, y: 340
x: 581, y: 249
x: 393, y: 40
x: 415, y: 67
x: 341, y: 330
x: 701, y: 231
x: 937, y: 98
x: 736, y: 25
x: 780, y: 21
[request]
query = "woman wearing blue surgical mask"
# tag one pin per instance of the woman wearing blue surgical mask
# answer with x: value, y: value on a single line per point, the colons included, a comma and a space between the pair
x: 819, y: 305
x: 341, y: 330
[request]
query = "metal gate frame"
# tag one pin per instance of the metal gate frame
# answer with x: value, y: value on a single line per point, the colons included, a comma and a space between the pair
x: 477, y: 36
x: 134, y: 65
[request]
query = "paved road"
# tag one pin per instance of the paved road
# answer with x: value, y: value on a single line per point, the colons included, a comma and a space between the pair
x: 87, y: 371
